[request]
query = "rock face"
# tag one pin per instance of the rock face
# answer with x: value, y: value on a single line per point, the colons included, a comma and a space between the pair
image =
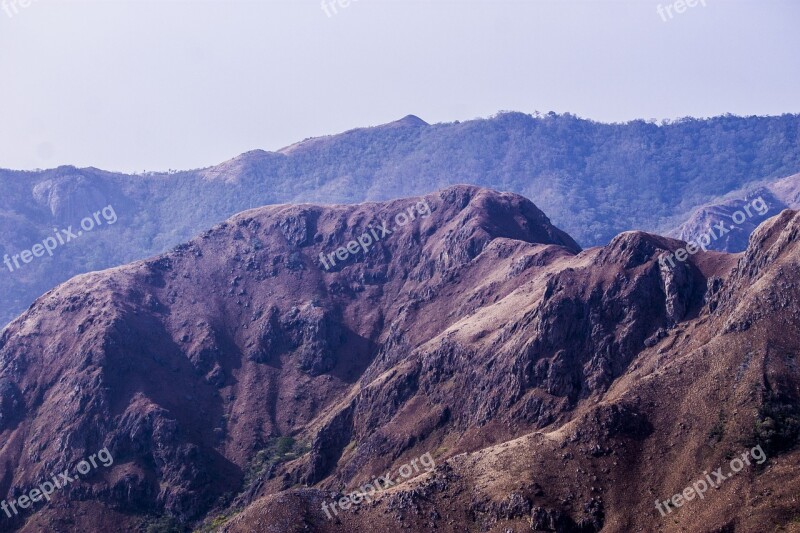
x: 239, y: 384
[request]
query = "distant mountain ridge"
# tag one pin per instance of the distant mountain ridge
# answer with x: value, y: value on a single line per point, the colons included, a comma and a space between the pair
x: 594, y: 180
x: 777, y: 196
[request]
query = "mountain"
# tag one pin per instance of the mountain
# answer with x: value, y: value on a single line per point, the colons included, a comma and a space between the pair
x: 280, y: 361
x: 740, y: 212
x: 595, y: 180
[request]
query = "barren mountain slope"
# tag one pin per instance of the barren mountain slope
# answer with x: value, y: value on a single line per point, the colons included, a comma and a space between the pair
x: 554, y: 388
x: 722, y: 381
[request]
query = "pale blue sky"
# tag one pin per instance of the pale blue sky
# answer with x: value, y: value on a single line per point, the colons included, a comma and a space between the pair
x: 134, y: 85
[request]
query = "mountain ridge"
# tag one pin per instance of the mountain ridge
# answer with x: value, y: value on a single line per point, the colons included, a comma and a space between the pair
x: 474, y: 332
x: 594, y: 180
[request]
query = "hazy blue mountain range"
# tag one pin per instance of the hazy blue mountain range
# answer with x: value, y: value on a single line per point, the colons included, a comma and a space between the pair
x: 593, y: 180
x: 776, y: 195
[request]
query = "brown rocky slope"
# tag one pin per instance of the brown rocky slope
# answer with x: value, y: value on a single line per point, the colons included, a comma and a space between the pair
x: 239, y: 385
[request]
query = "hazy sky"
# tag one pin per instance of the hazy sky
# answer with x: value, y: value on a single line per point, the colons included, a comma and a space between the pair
x: 135, y: 85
